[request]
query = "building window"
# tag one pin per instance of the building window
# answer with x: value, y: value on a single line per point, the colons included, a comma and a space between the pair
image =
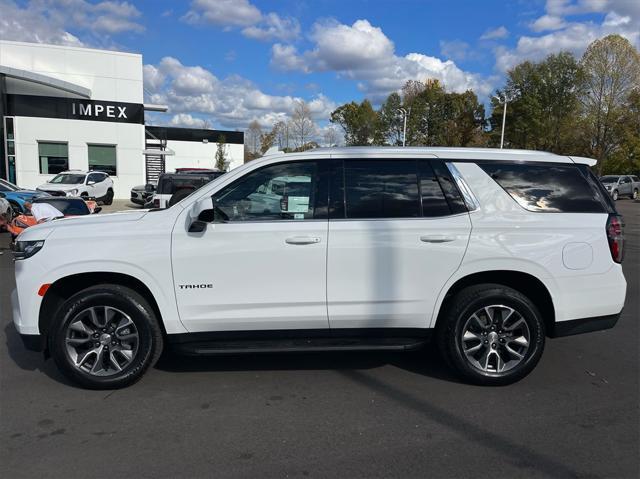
x: 54, y: 157
x: 103, y: 158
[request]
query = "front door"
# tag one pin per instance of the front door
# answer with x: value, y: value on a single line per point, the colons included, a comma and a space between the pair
x: 261, y: 263
x: 393, y: 245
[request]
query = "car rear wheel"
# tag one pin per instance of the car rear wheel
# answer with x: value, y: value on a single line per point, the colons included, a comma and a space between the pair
x: 614, y: 195
x: 634, y: 195
x: 105, y: 337
x: 491, y: 335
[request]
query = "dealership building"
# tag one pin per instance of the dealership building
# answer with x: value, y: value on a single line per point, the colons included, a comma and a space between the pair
x: 83, y: 109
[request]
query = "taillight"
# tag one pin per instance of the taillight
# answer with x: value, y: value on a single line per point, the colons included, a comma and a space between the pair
x: 615, y: 237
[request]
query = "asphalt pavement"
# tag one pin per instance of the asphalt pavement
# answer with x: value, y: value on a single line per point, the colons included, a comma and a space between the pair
x: 331, y: 415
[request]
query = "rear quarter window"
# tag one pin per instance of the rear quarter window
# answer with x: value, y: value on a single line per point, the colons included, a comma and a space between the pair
x: 546, y: 187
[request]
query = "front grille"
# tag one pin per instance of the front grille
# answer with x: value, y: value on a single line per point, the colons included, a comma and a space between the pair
x: 54, y: 193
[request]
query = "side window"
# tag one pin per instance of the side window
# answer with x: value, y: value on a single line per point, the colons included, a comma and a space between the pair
x: 625, y: 180
x: 53, y: 157
x: 546, y: 187
x: 434, y: 202
x: 381, y: 189
x: 92, y: 177
x: 285, y: 191
x: 451, y: 192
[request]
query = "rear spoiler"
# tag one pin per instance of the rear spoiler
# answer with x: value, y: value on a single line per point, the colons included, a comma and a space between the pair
x: 583, y: 161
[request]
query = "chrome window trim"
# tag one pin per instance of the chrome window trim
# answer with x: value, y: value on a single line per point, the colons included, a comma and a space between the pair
x: 467, y: 195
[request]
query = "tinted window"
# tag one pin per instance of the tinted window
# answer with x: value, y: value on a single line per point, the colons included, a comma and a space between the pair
x: 381, y: 189
x: 433, y: 200
x: 68, y: 207
x: 550, y: 188
x: 68, y: 179
x: 103, y: 158
x: 284, y: 191
x: 451, y: 193
x: 54, y: 157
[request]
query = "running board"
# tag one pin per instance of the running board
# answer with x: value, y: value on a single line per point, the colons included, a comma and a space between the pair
x: 209, y: 348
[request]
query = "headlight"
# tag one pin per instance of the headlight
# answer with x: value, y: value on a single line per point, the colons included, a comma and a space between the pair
x: 73, y: 192
x: 26, y: 249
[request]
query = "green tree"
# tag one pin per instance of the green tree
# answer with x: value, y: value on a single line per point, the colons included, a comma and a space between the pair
x: 359, y: 122
x: 625, y: 159
x: 611, y: 67
x: 391, y: 122
x: 543, y: 105
x: 221, y: 153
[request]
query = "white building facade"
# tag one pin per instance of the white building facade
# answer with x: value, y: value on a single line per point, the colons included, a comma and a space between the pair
x: 76, y: 108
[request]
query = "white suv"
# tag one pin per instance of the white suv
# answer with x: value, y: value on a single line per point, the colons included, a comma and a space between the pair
x: 487, y: 252
x: 93, y: 184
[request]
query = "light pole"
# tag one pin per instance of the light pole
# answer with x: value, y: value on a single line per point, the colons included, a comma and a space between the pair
x: 504, y: 100
x: 404, y: 113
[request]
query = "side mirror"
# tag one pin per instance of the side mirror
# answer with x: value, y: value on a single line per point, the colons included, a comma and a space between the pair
x: 91, y: 182
x: 199, y: 212
x: 198, y: 226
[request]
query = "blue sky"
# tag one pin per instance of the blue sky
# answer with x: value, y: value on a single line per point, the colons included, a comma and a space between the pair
x: 232, y: 61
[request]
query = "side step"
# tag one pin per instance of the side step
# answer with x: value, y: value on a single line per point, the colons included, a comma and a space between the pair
x: 218, y: 347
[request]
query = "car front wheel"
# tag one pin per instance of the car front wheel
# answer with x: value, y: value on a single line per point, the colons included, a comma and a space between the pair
x: 491, y: 334
x: 614, y: 195
x: 634, y: 195
x: 105, y: 337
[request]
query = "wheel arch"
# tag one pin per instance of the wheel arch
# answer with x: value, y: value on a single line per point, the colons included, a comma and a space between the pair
x: 67, y: 286
x: 525, y: 283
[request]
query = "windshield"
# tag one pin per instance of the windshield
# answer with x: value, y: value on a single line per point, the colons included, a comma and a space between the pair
x: 68, y: 207
x: 7, y: 186
x: 609, y: 179
x: 68, y: 179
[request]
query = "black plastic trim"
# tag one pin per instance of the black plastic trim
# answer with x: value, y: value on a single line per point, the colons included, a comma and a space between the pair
x: 33, y: 342
x: 584, y: 325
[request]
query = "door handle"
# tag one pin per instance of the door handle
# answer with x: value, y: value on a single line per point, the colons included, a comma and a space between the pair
x: 436, y: 239
x: 302, y: 240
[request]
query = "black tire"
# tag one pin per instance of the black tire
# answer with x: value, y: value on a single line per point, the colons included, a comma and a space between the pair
x: 462, y: 307
x: 614, y: 195
x: 179, y: 196
x: 108, y: 200
x: 149, y: 342
x: 634, y: 195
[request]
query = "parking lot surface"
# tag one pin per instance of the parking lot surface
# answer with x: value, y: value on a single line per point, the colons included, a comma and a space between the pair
x: 331, y: 415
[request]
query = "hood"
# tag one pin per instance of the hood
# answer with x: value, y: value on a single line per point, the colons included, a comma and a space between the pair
x: 58, y: 187
x: 43, y: 230
x: 25, y: 194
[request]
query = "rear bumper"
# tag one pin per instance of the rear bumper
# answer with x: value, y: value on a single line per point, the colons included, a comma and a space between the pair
x: 584, y: 325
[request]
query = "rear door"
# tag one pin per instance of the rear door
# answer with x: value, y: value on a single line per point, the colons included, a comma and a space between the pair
x: 395, y: 238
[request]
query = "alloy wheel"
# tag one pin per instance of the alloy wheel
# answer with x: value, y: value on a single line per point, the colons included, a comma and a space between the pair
x: 495, y: 339
x: 101, y: 341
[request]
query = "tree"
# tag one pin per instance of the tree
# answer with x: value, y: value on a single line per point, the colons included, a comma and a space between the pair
x: 282, y: 134
x: 221, y: 153
x: 625, y: 159
x: 543, y: 105
x: 331, y: 136
x: 253, y: 137
x: 611, y: 67
x: 391, y: 123
x: 359, y: 122
x: 267, y: 140
x: 302, y: 126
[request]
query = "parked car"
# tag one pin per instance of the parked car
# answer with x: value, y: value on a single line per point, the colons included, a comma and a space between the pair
x: 17, y: 197
x: 61, y: 206
x: 91, y: 184
x: 621, y: 185
x: 142, y: 194
x: 487, y: 252
x: 173, y: 187
x: 6, y: 212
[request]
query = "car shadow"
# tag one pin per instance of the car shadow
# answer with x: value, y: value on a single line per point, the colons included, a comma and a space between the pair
x: 424, y: 362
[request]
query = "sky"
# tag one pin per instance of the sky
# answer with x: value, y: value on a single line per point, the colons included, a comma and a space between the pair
x: 228, y: 62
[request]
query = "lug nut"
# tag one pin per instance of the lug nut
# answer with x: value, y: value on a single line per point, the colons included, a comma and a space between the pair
x: 96, y: 344
x: 96, y: 335
x: 486, y: 342
x: 494, y: 346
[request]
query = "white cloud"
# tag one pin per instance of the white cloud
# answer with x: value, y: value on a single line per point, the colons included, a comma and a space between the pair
x: 274, y: 27
x: 232, y: 102
x: 186, y: 120
x: 223, y: 12
x: 621, y: 17
x: 456, y: 50
x: 50, y: 21
x: 362, y: 52
x: 495, y: 33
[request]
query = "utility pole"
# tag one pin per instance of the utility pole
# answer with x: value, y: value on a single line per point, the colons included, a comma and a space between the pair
x: 503, y: 101
x: 405, y: 114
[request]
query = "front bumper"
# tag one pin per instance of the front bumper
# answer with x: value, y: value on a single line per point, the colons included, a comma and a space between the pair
x: 584, y: 325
